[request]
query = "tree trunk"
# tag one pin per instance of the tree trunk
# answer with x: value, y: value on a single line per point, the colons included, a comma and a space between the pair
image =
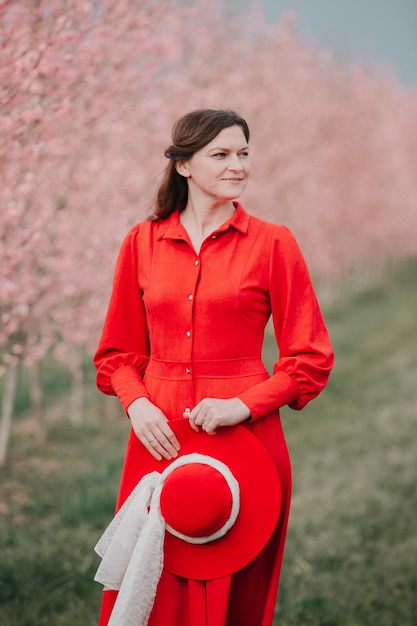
x: 10, y: 388
x: 36, y: 398
x: 77, y: 394
x: 110, y: 408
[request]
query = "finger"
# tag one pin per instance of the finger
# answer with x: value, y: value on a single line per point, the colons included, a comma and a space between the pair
x: 210, y: 428
x: 193, y: 425
x: 187, y: 415
x: 149, y: 445
x: 195, y: 416
x: 196, y: 411
x: 201, y: 417
x: 169, y: 435
x: 160, y: 444
x: 159, y: 450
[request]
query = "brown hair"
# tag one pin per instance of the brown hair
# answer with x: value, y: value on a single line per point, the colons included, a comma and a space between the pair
x: 190, y: 134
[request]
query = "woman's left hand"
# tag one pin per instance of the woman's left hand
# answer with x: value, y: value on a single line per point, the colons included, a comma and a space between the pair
x: 211, y: 413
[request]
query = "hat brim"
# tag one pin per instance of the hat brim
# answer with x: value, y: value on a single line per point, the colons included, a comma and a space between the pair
x: 260, y: 500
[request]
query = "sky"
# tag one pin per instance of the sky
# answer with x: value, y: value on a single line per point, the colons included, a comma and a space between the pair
x: 376, y: 31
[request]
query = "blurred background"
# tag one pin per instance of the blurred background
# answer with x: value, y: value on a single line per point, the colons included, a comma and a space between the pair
x: 378, y: 32
x: 89, y: 92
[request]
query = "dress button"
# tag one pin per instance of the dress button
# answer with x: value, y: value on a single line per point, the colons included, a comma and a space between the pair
x: 196, y: 262
x: 214, y: 236
x: 188, y: 333
x: 187, y: 370
x: 190, y: 297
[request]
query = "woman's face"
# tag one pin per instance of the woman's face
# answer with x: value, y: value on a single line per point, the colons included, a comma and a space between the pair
x: 220, y: 170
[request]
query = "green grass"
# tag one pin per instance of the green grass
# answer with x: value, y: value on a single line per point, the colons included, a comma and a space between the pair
x: 55, y: 501
x: 351, y: 550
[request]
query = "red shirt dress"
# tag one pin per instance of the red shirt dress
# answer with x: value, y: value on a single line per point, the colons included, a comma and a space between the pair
x: 183, y: 326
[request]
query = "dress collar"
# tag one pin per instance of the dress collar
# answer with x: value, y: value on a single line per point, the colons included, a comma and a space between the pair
x: 171, y: 228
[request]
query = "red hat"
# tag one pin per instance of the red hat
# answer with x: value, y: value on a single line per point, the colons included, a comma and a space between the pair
x: 218, y: 501
x: 260, y: 500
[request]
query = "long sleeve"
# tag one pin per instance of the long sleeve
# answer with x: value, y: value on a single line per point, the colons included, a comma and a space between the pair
x: 123, y: 350
x: 305, y: 352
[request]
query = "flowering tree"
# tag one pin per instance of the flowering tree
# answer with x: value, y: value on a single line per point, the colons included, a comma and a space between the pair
x: 62, y: 147
x: 89, y: 92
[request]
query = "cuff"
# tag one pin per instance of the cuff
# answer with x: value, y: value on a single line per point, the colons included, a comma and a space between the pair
x: 128, y: 385
x: 268, y: 396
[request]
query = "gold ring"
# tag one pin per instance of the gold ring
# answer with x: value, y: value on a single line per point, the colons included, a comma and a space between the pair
x: 150, y: 440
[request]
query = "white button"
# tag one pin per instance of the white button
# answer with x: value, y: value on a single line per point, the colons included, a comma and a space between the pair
x: 196, y: 262
x: 214, y: 236
x: 187, y: 410
x: 190, y: 297
x: 187, y: 370
x: 188, y: 333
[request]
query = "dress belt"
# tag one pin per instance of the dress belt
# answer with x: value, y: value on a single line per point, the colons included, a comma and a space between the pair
x: 224, y: 368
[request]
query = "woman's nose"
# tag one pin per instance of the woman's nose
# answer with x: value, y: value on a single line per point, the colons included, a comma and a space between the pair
x: 235, y: 163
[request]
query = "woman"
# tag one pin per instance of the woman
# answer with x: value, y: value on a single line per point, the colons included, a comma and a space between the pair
x: 194, y: 288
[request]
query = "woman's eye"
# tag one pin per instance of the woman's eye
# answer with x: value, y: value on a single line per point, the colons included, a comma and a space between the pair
x: 244, y: 154
x: 220, y: 154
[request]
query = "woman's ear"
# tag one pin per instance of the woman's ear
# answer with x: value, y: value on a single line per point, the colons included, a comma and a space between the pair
x: 182, y: 169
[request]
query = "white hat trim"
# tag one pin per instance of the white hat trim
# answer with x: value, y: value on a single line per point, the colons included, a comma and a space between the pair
x: 233, y: 486
x: 131, y: 547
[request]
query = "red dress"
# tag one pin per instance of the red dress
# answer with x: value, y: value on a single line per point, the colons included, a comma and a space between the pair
x: 183, y: 326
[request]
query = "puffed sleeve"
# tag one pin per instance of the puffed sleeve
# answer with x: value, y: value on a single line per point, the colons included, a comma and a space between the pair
x: 123, y: 350
x: 305, y: 352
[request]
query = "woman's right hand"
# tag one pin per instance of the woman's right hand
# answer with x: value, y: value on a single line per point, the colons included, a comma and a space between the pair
x: 152, y: 429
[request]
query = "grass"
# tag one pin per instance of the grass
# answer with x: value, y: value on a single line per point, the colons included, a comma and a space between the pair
x: 56, y: 500
x: 351, y: 548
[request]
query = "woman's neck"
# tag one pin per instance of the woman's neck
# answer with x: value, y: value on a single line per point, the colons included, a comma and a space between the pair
x: 200, y: 221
